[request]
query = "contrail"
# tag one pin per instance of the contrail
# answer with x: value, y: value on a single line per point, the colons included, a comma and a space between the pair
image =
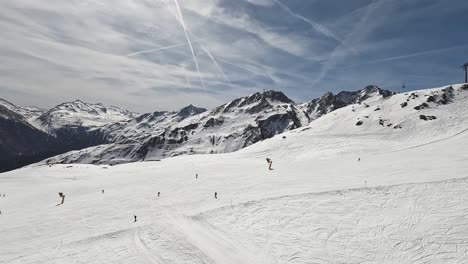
x: 317, y: 26
x: 332, y: 61
x: 406, y: 56
x: 188, y: 41
x: 208, y: 53
x: 216, y: 64
x: 159, y: 49
x: 245, y: 68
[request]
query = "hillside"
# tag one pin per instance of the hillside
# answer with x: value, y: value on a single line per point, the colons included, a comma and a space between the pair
x: 227, y: 128
x: 32, y: 134
x: 27, y: 112
x: 21, y: 143
x: 339, y: 192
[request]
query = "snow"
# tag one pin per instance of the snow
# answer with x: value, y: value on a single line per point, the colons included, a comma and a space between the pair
x: 405, y: 201
x: 191, y: 130
x: 28, y: 112
x: 78, y: 113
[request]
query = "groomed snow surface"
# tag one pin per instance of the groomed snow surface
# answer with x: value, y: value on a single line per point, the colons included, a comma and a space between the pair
x: 405, y: 201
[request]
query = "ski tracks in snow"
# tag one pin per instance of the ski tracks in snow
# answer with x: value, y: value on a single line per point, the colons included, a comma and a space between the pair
x: 410, y: 223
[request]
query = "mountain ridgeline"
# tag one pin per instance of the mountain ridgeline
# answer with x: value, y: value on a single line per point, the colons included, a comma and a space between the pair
x: 96, y: 134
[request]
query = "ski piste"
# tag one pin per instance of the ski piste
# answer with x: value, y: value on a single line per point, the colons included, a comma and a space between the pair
x: 339, y: 193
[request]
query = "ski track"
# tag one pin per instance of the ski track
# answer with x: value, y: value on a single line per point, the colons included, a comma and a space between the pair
x: 412, y: 234
x: 312, y: 208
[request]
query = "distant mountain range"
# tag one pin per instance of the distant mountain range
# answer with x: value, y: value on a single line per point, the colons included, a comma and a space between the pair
x: 94, y: 133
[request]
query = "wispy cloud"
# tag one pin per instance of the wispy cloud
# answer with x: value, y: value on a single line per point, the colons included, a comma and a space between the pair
x: 132, y: 53
x: 359, y: 30
x: 413, y: 55
x: 159, y: 49
x: 315, y: 25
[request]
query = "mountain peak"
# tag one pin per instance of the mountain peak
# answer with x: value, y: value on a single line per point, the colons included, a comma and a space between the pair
x: 190, y: 110
x: 330, y: 102
x: 276, y: 96
x: 370, y: 89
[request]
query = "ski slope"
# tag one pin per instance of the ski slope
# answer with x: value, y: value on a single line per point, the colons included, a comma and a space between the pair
x: 405, y: 201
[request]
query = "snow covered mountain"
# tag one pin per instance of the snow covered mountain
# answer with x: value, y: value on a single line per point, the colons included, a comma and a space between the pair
x: 229, y: 127
x: 28, y: 112
x: 74, y: 122
x: 339, y: 192
x: 330, y: 102
x: 80, y: 114
x: 20, y: 142
x: 100, y: 134
x: 30, y: 134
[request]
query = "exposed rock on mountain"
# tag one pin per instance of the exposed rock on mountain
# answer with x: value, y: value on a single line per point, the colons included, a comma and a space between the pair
x: 21, y: 143
x: 100, y: 134
x: 330, y: 102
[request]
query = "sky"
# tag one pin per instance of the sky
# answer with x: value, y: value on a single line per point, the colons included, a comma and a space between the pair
x: 148, y: 55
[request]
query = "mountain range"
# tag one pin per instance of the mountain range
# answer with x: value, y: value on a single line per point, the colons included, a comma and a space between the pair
x: 97, y: 134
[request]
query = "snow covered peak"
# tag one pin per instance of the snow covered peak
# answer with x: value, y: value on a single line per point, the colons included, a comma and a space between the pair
x: 373, y: 91
x: 272, y: 96
x: 8, y: 114
x: 80, y: 114
x: 256, y: 103
x: 7, y: 104
x: 27, y: 112
x: 190, y: 110
x: 330, y: 102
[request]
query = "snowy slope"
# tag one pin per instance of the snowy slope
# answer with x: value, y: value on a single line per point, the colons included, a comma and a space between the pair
x: 99, y: 134
x: 27, y: 112
x: 405, y: 201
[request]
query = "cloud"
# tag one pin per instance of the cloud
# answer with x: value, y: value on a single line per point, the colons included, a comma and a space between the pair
x: 360, y: 29
x: 261, y: 2
x: 133, y: 53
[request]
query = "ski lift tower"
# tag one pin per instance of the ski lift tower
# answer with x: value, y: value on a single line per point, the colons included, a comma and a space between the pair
x: 465, y: 67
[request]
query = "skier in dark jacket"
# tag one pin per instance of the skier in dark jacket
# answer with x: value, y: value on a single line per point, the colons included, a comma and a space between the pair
x: 63, y: 198
x: 270, y: 162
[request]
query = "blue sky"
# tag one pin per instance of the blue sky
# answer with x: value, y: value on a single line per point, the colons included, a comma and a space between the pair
x: 145, y: 55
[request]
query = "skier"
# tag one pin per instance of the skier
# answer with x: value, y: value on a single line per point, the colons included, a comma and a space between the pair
x: 216, y: 195
x: 270, y: 162
x: 63, y: 198
x: 135, y: 218
x: 359, y: 159
x: 102, y: 191
x: 196, y: 176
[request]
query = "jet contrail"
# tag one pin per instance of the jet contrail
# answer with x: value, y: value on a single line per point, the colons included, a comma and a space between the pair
x: 419, y: 54
x: 332, y: 60
x: 189, y: 43
x: 317, y: 26
x: 159, y: 49
x: 245, y: 68
x: 207, y: 52
x: 216, y: 64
